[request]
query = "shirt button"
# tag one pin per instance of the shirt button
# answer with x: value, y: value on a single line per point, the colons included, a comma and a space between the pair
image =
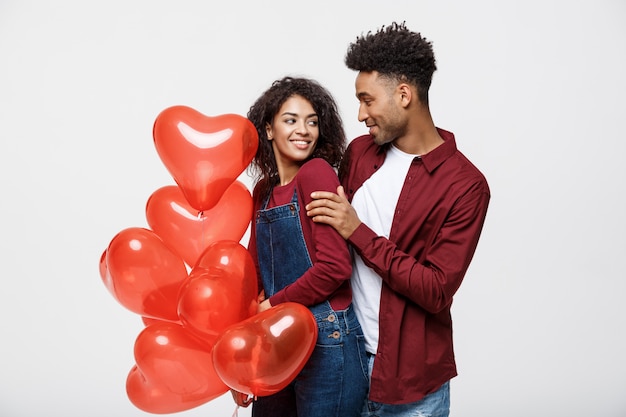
x: 335, y: 335
x: 331, y: 318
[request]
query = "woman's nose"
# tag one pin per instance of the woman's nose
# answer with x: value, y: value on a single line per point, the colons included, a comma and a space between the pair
x: 302, y: 128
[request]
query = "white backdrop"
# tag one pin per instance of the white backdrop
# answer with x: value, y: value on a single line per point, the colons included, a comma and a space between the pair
x: 534, y: 91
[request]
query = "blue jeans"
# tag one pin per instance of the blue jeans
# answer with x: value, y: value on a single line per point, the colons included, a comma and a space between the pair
x: 334, y: 381
x: 435, y: 404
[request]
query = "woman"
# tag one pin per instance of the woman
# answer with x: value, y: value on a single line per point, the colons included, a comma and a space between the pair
x: 301, y: 141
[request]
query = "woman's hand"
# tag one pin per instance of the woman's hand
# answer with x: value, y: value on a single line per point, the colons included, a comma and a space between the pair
x: 241, y: 399
x: 264, y: 305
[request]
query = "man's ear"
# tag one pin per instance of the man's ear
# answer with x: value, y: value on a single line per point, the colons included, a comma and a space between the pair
x: 406, y: 94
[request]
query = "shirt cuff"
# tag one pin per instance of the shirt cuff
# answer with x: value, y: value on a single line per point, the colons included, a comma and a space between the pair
x: 362, y: 237
x: 278, y: 298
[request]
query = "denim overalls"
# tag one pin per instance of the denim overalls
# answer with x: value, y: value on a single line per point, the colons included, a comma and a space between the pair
x: 334, y: 381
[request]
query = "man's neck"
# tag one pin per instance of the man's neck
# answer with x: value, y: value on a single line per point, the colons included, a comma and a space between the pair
x: 421, y: 136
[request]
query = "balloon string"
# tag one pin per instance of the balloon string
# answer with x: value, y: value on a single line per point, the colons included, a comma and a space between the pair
x: 249, y: 398
x: 202, y: 227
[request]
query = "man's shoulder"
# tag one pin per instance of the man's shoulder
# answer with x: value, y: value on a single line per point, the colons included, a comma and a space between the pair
x: 467, y: 175
x: 468, y: 166
x: 361, y: 141
x: 361, y: 144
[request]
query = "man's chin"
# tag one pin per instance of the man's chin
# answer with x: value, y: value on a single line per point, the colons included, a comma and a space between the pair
x: 380, y: 140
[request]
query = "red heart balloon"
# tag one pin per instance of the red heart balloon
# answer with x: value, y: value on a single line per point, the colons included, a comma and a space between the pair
x: 104, y: 274
x: 204, y: 154
x: 155, y: 398
x: 144, y: 274
x: 147, y: 321
x: 263, y: 354
x: 221, y: 289
x: 171, y: 217
x: 228, y: 255
x: 174, y: 371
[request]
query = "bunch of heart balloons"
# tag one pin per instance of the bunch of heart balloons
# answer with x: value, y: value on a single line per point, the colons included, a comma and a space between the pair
x: 192, y: 282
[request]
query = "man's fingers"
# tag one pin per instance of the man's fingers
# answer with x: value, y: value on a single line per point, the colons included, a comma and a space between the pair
x: 317, y: 195
x: 319, y: 210
x: 321, y: 204
x: 320, y: 218
x: 341, y: 192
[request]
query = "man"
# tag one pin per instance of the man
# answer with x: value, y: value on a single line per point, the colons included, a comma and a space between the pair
x: 417, y: 210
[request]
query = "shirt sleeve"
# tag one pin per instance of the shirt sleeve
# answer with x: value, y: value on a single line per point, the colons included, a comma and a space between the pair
x: 431, y: 281
x: 332, y: 264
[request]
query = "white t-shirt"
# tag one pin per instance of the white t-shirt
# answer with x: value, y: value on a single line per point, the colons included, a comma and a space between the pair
x: 375, y: 203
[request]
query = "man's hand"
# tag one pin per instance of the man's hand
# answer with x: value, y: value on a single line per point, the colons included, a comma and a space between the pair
x: 333, y: 210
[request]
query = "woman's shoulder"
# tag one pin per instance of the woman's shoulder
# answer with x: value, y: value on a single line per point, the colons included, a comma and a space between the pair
x: 317, y: 174
x: 316, y: 166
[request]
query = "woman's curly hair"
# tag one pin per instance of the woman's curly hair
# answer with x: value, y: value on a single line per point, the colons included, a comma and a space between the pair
x: 397, y: 53
x: 331, y: 143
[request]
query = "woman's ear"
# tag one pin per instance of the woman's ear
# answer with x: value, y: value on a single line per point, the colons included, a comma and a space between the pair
x: 268, y: 131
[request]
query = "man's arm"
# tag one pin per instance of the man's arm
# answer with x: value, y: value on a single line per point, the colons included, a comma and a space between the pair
x: 431, y: 283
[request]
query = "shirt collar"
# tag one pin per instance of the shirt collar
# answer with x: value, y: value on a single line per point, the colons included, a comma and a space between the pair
x: 437, y: 156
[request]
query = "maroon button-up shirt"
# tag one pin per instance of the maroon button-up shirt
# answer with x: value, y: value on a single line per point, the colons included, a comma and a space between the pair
x: 434, y: 233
